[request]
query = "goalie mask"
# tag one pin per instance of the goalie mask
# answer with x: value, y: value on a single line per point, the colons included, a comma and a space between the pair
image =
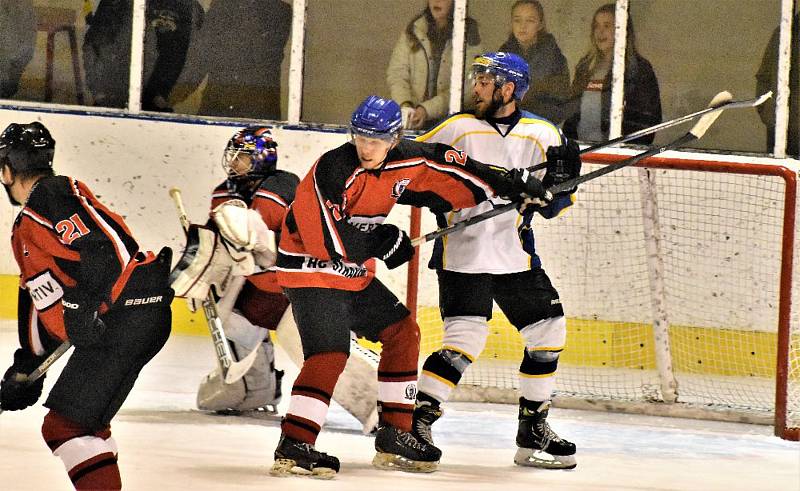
x: 250, y: 155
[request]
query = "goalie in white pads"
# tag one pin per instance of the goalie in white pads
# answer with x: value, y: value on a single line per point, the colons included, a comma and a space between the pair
x: 495, y: 260
x: 246, y: 209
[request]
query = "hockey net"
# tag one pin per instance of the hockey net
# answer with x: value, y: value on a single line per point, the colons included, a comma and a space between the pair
x: 676, y: 278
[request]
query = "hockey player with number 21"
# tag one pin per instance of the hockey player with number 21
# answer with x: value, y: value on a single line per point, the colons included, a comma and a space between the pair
x: 84, y: 279
x: 495, y: 260
x: 330, y: 238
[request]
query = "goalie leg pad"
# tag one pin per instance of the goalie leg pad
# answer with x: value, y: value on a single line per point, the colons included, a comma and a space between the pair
x: 544, y: 341
x: 259, y: 387
x: 464, y: 340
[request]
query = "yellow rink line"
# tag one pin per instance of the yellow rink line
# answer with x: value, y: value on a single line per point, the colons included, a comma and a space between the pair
x: 589, y: 342
x: 183, y: 321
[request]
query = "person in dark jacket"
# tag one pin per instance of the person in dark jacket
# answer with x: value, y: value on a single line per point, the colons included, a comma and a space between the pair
x: 107, y: 50
x: 17, y: 43
x: 240, y: 49
x: 549, y: 73
x: 767, y: 79
x: 590, y: 94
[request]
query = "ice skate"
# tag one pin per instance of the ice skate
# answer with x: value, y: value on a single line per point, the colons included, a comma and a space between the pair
x: 425, y: 414
x: 539, y: 445
x: 295, y: 458
x: 400, y: 450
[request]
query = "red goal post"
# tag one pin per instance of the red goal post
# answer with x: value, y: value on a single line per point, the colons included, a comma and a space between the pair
x: 676, y: 276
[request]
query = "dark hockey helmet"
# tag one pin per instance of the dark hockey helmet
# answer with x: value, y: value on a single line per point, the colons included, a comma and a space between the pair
x: 505, y: 67
x: 258, y: 144
x: 27, y: 147
x: 377, y: 117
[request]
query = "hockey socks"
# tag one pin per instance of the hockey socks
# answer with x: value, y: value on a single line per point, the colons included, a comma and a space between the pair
x: 397, y: 373
x: 90, y: 458
x: 311, y: 396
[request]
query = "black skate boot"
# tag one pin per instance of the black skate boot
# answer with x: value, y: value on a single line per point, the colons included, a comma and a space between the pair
x: 293, y: 457
x: 400, y: 450
x: 539, y: 446
x: 425, y: 414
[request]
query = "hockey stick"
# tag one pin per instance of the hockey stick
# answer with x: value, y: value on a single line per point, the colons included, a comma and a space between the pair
x: 719, y: 103
x: 231, y: 370
x: 756, y: 101
x: 37, y: 373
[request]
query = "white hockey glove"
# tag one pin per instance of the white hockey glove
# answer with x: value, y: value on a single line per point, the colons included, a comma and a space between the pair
x: 245, y: 230
x: 205, y: 262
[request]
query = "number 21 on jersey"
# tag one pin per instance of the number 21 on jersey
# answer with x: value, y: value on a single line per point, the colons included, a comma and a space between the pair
x: 71, y: 229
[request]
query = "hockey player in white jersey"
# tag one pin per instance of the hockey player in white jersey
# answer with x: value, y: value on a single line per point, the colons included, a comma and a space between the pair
x: 495, y: 260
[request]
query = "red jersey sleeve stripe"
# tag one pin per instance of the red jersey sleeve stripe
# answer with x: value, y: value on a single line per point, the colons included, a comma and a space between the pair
x: 272, y: 196
x: 122, y: 251
x: 329, y: 224
x: 463, y: 175
x: 37, y: 218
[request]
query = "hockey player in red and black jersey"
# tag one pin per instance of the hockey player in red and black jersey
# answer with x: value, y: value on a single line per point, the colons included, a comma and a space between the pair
x: 331, y: 236
x: 84, y: 279
x: 250, y: 161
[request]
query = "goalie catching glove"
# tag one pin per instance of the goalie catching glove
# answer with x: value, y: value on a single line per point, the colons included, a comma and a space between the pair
x: 245, y: 231
x: 234, y: 245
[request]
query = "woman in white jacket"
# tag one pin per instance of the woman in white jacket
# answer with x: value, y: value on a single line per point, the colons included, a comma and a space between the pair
x: 418, y: 74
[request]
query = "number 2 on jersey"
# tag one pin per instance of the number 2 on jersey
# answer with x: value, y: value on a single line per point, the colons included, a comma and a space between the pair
x: 71, y: 229
x: 457, y: 156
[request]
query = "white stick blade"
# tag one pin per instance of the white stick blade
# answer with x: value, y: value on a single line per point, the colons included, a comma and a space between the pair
x: 238, y: 369
x: 706, y: 120
x: 720, y: 99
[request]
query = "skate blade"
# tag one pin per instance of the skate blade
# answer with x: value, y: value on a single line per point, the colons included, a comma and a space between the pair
x: 393, y: 462
x: 528, y: 457
x: 289, y: 468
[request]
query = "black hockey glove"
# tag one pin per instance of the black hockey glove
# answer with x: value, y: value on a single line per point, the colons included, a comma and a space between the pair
x: 81, y: 319
x: 392, y: 245
x: 15, y: 391
x: 563, y: 164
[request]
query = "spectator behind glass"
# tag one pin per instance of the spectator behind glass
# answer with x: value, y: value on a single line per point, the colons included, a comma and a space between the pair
x: 590, y: 94
x: 17, y: 43
x: 549, y: 73
x: 107, y: 50
x: 767, y: 79
x: 240, y: 50
x: 418, y: 74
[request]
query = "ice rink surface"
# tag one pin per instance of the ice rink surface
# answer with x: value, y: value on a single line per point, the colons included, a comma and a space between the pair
x: 166, y: 444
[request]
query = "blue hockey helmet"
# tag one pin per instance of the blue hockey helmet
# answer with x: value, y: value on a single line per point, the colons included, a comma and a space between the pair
x: 257, y: 142
x: 506, y: 67
x: 27, y: 147
x: 377, y: 117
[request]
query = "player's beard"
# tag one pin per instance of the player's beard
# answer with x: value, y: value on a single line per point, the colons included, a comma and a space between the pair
x: 10, y: 196
x: 492, y: 108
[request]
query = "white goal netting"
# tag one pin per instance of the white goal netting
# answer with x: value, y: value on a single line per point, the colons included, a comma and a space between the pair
x: 671, y: 283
